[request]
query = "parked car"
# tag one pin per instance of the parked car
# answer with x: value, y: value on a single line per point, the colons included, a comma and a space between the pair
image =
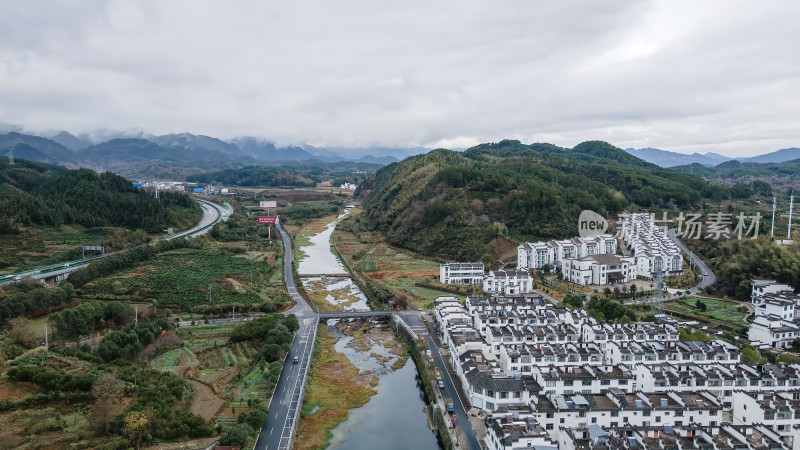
x: 296, y: 359
x: 441, y: 384
x: 450, y: 407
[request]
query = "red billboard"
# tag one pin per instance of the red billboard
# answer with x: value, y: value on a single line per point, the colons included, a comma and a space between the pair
x: 268, y: 220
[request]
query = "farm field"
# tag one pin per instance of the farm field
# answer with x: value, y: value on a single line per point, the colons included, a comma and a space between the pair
x: 718, y: 312
x: 180, y: 279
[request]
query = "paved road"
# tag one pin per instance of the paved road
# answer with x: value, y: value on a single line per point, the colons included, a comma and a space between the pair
x: 212, y: 213
x: 706, y: 280
x: 277, y: 431
x: 412, y: 318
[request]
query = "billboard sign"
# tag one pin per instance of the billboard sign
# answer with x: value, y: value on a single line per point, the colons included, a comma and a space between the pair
x: 198, y: 190
x: 137, y: 184
x: 269, y: 204
x: 268, y: 220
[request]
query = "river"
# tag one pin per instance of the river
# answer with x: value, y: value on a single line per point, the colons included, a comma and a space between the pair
x: 394, y: 418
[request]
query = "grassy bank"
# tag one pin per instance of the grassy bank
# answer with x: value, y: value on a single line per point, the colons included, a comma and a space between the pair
x: 331, y: 390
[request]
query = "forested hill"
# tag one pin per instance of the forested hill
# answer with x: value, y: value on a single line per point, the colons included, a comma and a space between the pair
x: 763, y: 177
x: 290, y: 173
x: 457, y: 205
x: 34, y: 194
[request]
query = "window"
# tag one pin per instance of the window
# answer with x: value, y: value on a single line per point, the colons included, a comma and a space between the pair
x: 549, y: 426
x: 594, y: 419
x: 605, y: 383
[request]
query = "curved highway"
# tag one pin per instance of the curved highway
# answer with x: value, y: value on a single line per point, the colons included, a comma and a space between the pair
x: 212, y: 214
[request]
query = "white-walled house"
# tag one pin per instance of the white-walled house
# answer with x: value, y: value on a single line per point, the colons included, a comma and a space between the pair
x: 461, y: 273
x: 765, y: 287
x: 536, y: 255
x: 773, y: 331
x: 600, y: 270
x: 508, y: 282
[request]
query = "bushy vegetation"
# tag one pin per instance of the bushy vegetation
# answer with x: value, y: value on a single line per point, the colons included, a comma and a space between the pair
x: 124, y: 344
x: 87, y: 317
x: 737, y: 262
x: 32, y: 299
x: 457, y: 205
x: 607, y: 310
x: 34, y: 194
x: 275, y: 330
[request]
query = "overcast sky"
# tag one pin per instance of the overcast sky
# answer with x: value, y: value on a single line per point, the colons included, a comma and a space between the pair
x: 684, y: 76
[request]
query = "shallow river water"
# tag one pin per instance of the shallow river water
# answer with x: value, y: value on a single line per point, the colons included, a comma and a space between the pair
x: 394, y: 418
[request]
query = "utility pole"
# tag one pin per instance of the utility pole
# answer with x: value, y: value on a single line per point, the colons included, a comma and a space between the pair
x: 791, y: 206
x: 136, y: 308
x: 209, y: 293
x: 46, y: 346
x: 11, y: 154
x: 774, y: 204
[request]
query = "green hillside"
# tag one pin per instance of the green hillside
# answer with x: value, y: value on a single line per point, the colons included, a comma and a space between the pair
x: 782, y: 176
x: 456, y: 205
x: 33, y: 194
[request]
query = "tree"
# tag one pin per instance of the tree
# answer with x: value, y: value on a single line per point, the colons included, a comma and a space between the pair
x: 135, y: 426
x: 700, y: 305
x: 796, y: 344
x: 607, y: 292
x: 633, y: 291
x: 785, y: 358
x: 238, y: 435
x: 21, y: 331
x: 574, y: 301
x: 106, y: 389
x: 750, y: 356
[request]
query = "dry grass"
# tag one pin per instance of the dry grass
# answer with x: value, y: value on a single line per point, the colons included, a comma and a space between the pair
x: 334, y: 388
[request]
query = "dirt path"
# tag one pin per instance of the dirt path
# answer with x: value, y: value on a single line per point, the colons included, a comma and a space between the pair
x: 205, y: 403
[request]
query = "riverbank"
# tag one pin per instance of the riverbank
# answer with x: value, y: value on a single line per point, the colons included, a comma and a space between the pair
x: 350, y: 358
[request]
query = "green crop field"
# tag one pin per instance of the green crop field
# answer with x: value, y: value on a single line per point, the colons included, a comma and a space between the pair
x: 180, y: 279
x: 719, y: 311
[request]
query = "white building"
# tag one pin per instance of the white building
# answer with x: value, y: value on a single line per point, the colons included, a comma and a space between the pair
x: 508, y: 282
x: 653, y: 249
x: 772, y: 331
x: 600, y: 270
x: 461, y: 273
x: 536, y: 255
x: 766, y: 287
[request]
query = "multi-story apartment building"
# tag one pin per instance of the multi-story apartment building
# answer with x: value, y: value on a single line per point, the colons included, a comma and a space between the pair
x: 654, y: 251
x: 461, y: 273
x: 600, y: 270
x: 777, y: 322
x: 537, y: 255
x: 508, y: 282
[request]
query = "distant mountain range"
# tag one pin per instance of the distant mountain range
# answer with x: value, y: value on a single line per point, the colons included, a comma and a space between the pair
x: 666, y: 158
x: 137, y: 153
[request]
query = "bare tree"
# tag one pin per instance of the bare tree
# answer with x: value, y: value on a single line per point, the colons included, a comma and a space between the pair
x: 106, y: 389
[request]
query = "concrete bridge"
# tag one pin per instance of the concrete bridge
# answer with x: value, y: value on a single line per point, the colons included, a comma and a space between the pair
x: 325, y: 275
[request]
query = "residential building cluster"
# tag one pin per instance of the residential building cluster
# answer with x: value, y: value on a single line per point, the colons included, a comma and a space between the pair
x: 348, y: 186
x: 552, y: 377
x: 655, y: 252
x: 507, y: 282
x: 776, y: 322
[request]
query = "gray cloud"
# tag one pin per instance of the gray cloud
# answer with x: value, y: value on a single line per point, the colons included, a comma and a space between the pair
x: 679, y: 75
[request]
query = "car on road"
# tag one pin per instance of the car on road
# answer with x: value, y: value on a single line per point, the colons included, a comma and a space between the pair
x: 296, y: 359
x: 450, y: 407
x: 441, y: 384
